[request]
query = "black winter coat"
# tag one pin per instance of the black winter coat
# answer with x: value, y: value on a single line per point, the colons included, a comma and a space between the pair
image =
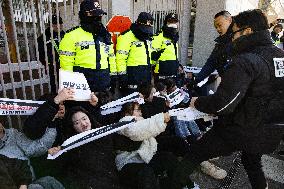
x: 90, y: 166
x: 246, y: 99
x: 36, y: 124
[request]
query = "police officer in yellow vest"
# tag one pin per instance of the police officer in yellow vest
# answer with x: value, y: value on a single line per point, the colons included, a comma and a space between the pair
x: 133, y: 55
x: 88, y: 48
x: 166, y: 54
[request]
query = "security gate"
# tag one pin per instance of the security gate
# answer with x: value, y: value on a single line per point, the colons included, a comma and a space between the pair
x: 22, y: 75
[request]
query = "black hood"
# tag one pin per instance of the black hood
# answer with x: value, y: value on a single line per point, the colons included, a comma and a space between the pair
x: 247, y: 43
x: 139, y: 33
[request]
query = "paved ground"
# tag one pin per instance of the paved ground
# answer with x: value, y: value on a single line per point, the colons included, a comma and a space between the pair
x: 273, y: 166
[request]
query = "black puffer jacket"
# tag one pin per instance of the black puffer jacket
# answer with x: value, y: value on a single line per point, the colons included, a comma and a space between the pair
x: 247, y: 97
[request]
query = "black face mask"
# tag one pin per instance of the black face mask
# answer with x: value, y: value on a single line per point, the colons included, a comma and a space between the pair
x: 171, y: 33
x: 92, y: 24
x: 147, y: 30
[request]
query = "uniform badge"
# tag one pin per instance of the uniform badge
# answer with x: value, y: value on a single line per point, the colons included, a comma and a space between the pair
x: 279, y: 67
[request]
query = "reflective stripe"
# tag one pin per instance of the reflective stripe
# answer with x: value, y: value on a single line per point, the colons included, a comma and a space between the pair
x: 122, y: 52
x: 55, y: 46
x: 67, y: 53
x: 113, y: 73
x: 111, y: 55
x: 84, y: 43
x: 229, y: 102
x: 121, y: 73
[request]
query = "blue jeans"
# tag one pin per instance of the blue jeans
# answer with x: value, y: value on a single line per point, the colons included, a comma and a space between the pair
x: 186, y: 128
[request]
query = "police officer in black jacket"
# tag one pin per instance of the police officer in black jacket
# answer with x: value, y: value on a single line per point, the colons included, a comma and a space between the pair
x: 249, y: 103
x: 221, y: 53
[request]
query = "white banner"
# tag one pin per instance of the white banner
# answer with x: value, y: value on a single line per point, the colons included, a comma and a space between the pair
x: 75, y: 141
x: 77, y: 81
x: 189, y: 114
x: 195, y: 70
x: 18, y: 107
x: 89, y: 136
x: 115, y: 106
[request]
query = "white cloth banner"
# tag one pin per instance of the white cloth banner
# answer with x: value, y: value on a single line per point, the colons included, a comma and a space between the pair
x: 189, y: 114
x: 115, y: 106
x: 77, y: 81
x: 18, y: 107
x: 195, y: 70
x: 75, y: 141
x: 89, y: 136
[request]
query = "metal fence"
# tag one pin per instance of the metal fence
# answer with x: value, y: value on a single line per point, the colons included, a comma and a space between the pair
x: 22, y: 75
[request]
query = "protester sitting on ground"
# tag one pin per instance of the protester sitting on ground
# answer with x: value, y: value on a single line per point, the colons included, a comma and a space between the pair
x: 180, y: 80
x: 161, y: 88
x: 140, y: 167
x: 91, y: 165
x: 275, y: 33
x: 153, y: 104
x: 190, y: 132
x: 15, y: 151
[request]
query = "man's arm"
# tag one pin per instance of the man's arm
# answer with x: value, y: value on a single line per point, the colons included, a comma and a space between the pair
x: 231, y: 91
x: 209, y: 67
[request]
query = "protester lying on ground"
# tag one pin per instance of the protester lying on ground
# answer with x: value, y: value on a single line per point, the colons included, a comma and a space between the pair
x: 15, y: 151
x: 141, y: 167
x: 90, y: 165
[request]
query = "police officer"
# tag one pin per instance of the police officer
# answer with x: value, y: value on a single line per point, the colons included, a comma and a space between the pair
x: 249, y: 103
x: 133, y: 55
x: 88, y: 48
x: 166, y: 46
x: 221, y: 53
x: 51, y: 42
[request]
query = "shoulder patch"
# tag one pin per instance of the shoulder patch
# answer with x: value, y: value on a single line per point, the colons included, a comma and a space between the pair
x: 279, y: 67
x: 74, y: 28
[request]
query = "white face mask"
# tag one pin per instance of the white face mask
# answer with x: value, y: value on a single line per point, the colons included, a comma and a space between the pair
x: 173, y: 26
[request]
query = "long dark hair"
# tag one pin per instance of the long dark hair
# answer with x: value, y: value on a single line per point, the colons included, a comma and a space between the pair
x: 128, y: 108
x: 69, y: 128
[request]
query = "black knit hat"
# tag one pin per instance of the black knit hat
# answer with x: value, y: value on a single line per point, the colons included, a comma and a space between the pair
x: 93, y: 6
x: 144, y: 17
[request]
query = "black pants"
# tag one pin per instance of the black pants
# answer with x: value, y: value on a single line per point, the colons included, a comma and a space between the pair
x: 14, y: 172
x: 212, y: 145
x: 158, y: 174
x: 146, y: 176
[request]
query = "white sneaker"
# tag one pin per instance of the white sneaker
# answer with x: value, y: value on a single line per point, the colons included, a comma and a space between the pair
x: 212, y: 170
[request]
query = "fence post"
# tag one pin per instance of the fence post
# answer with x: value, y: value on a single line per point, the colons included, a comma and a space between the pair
x: 10, y: 33
x: 185, y: 29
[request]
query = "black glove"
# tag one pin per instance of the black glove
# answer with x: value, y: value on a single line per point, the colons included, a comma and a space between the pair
x: 155, y: 55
